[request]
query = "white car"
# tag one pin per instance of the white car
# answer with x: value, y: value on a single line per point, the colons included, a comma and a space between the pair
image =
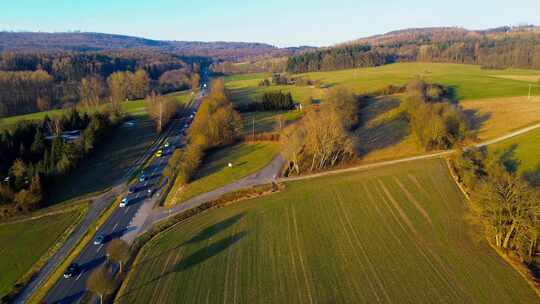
x: 124, y: 202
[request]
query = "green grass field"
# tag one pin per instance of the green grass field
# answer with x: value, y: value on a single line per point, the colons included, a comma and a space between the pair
x: 107, y: 164
x: 267, y: 121
x: 469, y: 81
x: 25, y: 242
x: 526, y: 150
x: 246, y: 158
x: 245, y: 88
x: 134, y: 108
x: 392, y: 235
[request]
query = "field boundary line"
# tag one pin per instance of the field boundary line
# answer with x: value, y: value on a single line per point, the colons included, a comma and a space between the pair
x: 306, y: 279
x: 519, y: 268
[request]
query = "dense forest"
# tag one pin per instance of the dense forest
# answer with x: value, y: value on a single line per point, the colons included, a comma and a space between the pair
x: 31, y: 82
x: 496, y: 49
x: 33, y: 154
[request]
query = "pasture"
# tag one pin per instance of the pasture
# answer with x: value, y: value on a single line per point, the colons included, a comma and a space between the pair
x: 468, y: 81
x: 24, y: 242
x: 246, y: 158
x: 395, y: 234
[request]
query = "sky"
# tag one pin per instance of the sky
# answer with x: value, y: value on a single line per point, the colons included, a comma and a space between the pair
x: 278, y: 22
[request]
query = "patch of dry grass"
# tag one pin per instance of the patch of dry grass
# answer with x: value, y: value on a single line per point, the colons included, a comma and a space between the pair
x: 526, y: 78
x: 495, y: 117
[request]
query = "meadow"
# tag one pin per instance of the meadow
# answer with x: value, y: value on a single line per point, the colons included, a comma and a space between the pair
x: 395, y: 234
x: 467, y: 81
x: 24, y: 242
x: 526, y: 149
x: 246, y: 158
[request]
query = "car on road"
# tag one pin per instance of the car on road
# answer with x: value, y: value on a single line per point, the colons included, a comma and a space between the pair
x: 99, y: 240
x: 124, y: 202
x: 167, y: 144
x: 142, y: 178
x: 72, y: 270
x: 159, y: 153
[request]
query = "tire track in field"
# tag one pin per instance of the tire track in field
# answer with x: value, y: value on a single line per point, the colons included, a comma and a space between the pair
x: 400, y: 210
x: 413, y: 200
x: 291, y: 250
x: 417, y: 184
x: 299, y: 249
x: 421, y: 246
x: 373, y: 202
x: 347, y: 263
x: 356, y: 240
x: 228, y: 262
x: 169, y: 275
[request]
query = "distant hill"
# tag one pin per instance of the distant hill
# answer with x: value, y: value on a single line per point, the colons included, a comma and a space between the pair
x: 436, y: 34
x: 84, y: 42
x: 497, y: 48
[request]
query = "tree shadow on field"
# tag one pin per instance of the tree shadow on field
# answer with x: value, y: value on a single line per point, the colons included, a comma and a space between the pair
x: 533, y: 177
x: 204, y: 234
x: 194, y: 259
x: 209, y: 251
x: 215, y: 229
x: 475, y: 119
x: 382, y: 136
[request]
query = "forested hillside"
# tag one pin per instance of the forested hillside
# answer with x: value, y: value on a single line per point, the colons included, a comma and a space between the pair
x: 499, y: 48
x: 37, y: 81
x: 84, y: 42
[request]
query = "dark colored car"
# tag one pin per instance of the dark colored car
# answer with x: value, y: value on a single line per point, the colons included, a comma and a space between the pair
x: 72, y: 270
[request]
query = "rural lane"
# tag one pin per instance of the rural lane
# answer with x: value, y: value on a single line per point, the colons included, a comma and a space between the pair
x: 271, y: 171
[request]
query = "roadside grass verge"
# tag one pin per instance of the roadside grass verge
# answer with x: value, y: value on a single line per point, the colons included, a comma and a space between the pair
x: 246, y: 158
x: 107, y: 164
x: 27, y: 244
x: 44, y: 288
x: 392, y: 234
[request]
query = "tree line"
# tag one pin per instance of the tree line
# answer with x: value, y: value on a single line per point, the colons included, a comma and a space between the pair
x: 507, y: 205
x: 353, y: 56
x: 435, y: 121
x: 33, y: 154
x: 216, y: 124
x: 35, y: 82
x: 492, y: 49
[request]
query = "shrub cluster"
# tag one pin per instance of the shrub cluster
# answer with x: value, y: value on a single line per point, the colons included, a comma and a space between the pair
x: 436, y: 122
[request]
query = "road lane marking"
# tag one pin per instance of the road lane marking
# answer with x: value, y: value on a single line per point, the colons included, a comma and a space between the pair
x: 115, y: 226
x: 127, y: 209
x: 79, y: 276
x: 99, y: 248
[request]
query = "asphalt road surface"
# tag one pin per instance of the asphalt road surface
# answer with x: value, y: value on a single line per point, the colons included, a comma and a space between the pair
x: 72, y: 290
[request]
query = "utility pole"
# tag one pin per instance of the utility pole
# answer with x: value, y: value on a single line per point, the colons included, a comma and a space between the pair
x: 253, y: 128
x: 530, y: 88
x: 160, y: 113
